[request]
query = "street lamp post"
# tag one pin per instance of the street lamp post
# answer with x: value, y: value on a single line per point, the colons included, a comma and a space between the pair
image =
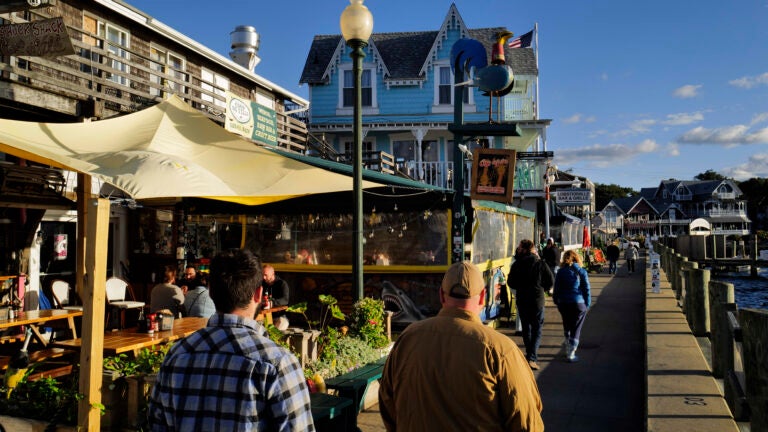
x: 356, y: 24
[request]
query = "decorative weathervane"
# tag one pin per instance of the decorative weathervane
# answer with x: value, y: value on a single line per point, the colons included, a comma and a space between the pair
x: 496, y: 79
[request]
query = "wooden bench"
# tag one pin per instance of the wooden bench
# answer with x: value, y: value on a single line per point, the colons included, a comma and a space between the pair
x: 354, y: 384
x: 332, y: 413
x: 58, y: 369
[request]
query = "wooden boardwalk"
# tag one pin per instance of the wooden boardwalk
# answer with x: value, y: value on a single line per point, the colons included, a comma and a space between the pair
x: 606, y: 390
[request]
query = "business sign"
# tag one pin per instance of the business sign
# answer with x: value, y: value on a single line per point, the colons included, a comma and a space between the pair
x: 566, y: 197
x: 251, y: 120
x: 44, y: 38
x: 493, y: 174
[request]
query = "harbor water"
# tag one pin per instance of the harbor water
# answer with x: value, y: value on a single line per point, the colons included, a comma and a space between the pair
x: 750, y: 292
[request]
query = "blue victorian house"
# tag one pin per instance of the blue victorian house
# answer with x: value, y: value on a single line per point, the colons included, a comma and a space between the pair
x: 407, y: 98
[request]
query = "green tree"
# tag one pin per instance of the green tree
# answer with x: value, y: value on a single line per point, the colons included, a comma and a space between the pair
x: 756, y: 194
x: 710, y: 175
x: 604, y: 193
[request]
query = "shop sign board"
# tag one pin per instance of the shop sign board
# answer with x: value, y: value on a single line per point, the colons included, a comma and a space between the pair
x: 493, y: 174
x: 251, y: 120
x: 574, y: 196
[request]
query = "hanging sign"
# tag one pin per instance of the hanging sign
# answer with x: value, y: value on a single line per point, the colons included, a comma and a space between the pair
x: 493, y: 174
x: 566, y: 197
x: 251, y: 120
x: 44, y: 38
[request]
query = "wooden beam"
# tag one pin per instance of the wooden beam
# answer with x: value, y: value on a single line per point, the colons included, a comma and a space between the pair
x: 92, y: 351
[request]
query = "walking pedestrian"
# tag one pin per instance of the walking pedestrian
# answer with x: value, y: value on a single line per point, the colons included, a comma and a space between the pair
x: 452, y: 373
x: 612, y: 252
x: 551, y: 255
x: 572, y: 297
x: 230, y: 375
x: 530, y: 277
x: 631, y: 255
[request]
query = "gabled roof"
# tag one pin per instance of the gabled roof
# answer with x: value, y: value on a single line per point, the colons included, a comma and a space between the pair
x: 407, y: 55
x: 698, y: 188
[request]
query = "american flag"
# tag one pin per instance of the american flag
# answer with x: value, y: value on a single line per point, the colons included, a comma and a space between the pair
x: 523, y: 41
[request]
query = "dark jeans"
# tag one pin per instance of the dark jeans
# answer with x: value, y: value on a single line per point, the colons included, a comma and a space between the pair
x: 532, y: 319
x: 573, y: 318
x: 631, y: 265
x: 612, y: 267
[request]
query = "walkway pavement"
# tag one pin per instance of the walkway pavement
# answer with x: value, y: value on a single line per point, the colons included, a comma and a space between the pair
x: 605, y: 391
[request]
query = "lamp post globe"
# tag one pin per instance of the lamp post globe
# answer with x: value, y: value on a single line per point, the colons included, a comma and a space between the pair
x: 356, y: 24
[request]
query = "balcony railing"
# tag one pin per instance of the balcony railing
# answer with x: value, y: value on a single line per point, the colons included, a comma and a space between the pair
x: 518, y: 108
x: 105, y: 79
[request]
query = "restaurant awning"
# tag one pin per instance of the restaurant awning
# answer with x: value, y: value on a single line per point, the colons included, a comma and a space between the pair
x: 170, y: 150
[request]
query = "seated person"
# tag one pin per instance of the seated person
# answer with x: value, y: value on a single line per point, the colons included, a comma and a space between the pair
x: 167, y: 295
x: 190, y: 279
x: 274, y: 287
x: 197, y: 301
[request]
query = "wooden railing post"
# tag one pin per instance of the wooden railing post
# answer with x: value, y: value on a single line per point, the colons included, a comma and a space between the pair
x: 720, y: 294
x: 754, y: 328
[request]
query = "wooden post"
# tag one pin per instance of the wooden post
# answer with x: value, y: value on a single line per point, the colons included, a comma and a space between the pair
x: 699, y: 300
x: 754, y: 328
x: 720, y: 294
x: 92, y: 348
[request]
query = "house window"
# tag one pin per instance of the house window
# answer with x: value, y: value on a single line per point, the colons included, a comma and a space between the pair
x: 217, y: 85
x: 170, y: 68
x: 117, y: 41
x: 366, y: 89
x: 349, y: 148
x: 444, y: 88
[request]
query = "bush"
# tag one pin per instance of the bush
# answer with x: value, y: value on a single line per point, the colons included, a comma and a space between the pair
x: 367, y: 322
x: 348, y: 353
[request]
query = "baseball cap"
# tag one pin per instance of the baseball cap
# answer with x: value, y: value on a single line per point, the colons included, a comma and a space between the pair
x: 463, y: 280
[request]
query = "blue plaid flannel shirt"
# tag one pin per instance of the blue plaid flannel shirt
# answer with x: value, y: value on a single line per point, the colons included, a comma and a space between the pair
x: 230, y: 376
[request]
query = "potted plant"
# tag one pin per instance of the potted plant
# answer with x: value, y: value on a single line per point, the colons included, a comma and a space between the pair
x: 127, y: 383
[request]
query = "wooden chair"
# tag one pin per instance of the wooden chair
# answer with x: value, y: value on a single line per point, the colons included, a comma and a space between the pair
x: 62, y: 293
x: 117, y: 292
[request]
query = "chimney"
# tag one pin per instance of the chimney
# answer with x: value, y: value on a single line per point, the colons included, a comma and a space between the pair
x: 245, y: 47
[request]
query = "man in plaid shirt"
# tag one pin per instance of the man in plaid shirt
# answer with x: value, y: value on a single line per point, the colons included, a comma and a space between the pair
x: 230, y: 375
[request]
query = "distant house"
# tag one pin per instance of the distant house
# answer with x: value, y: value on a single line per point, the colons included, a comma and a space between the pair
x: 677, y: 207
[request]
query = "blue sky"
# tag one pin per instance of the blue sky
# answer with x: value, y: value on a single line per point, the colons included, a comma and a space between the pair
x: 637, y: 91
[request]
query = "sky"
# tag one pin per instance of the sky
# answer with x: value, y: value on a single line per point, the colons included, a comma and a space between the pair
x: 638, y: 92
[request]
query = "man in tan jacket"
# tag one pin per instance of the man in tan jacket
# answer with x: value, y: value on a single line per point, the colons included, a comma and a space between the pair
x: 452, y: 373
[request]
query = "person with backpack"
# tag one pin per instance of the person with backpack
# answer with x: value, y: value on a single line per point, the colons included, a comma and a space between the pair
x: 531, y: 277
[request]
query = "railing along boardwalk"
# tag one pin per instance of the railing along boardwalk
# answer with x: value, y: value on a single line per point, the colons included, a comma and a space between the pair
x: 737, y: 337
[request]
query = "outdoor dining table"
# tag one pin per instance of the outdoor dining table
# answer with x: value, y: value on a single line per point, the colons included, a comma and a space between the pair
x: 130, y: 340
x: 34, y: 319
x: 265, y: 315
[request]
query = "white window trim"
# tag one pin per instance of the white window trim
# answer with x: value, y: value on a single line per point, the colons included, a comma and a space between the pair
x: 167, y: 54
x: 447, y: 108
x: 210, y: 81
x: 106, y: 26
x: 374, y: 108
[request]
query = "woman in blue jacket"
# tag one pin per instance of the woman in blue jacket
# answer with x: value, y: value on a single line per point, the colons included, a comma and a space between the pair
x: 572, y: 297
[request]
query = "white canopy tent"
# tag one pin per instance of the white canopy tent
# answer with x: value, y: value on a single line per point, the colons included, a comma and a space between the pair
x: 170, y: 150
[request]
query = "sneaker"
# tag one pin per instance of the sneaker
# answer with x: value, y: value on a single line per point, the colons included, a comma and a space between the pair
x: 533, y: 365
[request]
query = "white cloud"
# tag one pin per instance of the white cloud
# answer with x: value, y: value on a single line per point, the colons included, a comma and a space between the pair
x: 572, y: 119
x: 673, y: 149
x: 687, y: 91
x: 759, y: 118
x: 680, y: 119
x: 600, y: 155
x: 579, y: 118
x: 756, y: 166
x: 728, y: 135
x: 748, y: 82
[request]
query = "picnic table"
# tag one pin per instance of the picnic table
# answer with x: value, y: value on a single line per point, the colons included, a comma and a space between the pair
x: 355, y: 383
x: 130, y: 340
x: 332, y: 413
x: 35, y: 318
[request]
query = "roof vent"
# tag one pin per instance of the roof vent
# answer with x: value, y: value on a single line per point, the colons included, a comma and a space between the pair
x: 245, y: 47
